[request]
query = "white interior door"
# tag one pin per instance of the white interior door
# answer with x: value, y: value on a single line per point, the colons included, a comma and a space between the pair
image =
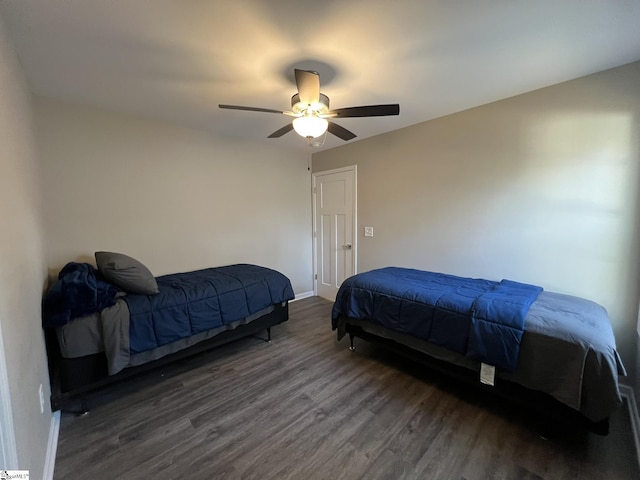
x: 334, y: 229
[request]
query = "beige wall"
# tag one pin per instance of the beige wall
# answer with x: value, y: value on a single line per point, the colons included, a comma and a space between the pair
x: 175, y: 199
x: 22, y: 269
x: 540, y: 188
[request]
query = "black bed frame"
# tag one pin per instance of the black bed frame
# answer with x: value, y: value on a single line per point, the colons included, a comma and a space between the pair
x: 74, y: 378
x: 549, y: 411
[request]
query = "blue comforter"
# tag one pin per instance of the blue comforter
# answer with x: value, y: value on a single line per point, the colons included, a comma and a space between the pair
x: 193, y: 302
x: 79, y: 291
x: 481, y: 319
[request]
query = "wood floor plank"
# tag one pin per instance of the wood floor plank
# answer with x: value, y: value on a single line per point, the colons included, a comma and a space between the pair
x: 305, y: 407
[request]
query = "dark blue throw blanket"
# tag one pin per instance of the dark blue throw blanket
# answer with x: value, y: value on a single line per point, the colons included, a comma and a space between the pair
x: 481, y: 319
x: 78, y: 292
x: 193, y: 302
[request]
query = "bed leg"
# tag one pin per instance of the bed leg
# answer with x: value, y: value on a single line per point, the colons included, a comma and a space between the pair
x: 268, y: 334
x: 81, y: 412
x: 84, y: 408
x: 351, y: 347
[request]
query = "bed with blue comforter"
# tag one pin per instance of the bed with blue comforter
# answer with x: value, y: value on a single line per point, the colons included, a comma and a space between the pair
x: 559, y: 345
x: 92, y: 318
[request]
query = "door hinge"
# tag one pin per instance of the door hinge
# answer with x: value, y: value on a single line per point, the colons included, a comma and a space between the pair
x: 315, y: 277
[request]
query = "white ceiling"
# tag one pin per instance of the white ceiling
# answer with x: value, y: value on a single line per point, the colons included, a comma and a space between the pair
x: 176, y: 60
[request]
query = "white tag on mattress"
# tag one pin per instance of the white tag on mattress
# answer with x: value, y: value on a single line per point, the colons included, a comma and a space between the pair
x: 487, y: 374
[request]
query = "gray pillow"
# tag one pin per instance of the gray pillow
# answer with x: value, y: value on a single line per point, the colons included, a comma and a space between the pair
x: 126, y: 273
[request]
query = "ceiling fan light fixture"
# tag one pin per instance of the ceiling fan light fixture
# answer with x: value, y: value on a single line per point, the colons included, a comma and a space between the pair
x: 310, y: 126
x: 310, y: 109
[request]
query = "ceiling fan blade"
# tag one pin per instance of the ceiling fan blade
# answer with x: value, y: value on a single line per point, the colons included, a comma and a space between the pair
x: 366, y: 111
x: 278, y: 133
x: 251, y: 109
x: 340, y: 132
x: 308, y: 86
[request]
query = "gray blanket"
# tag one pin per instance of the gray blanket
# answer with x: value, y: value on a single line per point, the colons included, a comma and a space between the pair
x: 106, y: 331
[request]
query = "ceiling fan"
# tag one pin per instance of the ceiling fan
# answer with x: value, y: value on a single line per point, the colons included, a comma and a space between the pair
x: 311, y: 113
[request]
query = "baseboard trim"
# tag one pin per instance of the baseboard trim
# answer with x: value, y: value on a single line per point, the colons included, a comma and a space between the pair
x: 628, y: 394
x: 302, y: 295
x: 52, y: 447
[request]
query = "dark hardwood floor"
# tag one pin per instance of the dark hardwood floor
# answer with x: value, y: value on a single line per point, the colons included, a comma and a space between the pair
x: 305, y: 407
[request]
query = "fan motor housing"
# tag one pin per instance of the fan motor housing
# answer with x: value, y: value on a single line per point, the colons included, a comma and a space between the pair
x: 321, y: 107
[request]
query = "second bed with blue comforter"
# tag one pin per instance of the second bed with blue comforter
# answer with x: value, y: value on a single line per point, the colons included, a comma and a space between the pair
x: 560, y: 345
